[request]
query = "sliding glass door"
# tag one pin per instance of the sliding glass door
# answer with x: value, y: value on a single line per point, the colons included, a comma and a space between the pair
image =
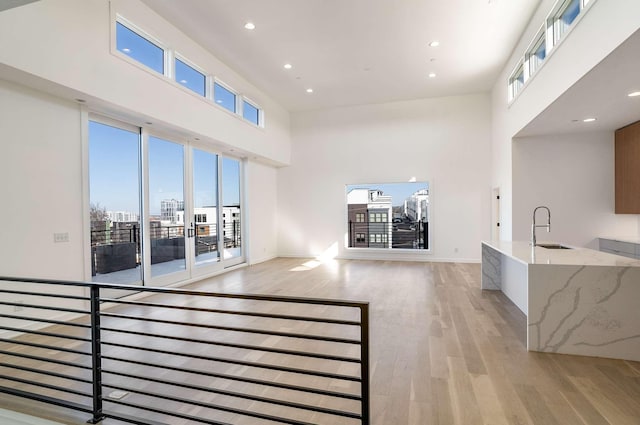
x: 114, y: 203
x: 161, y: 211
x: 232, y: 211
x: 166, y: 218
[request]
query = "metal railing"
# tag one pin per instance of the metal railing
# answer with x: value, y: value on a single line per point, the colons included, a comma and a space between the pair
x: 193, y: 356
x: 400, y: 235
x: 120, y: 248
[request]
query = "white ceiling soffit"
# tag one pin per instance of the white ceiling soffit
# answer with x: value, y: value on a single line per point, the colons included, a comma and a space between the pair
x: 10, y: 4
x: 356, y: 51
x: 602, y: 94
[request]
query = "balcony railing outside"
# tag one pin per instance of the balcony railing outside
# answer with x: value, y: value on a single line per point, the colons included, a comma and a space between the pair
x: 398, y: 235
x: 185, y: 356
x: 120, y: 249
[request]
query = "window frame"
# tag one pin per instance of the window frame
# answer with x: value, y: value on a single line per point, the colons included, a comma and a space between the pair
x: 513, y: 90
x: 246, y: 100
x: 166, y: 54
x: 225, y: 86
x: 538, y: 41
x: 379, y: 220
x: 174, y: 77
x: 169, y: 58
x: 555, y: 18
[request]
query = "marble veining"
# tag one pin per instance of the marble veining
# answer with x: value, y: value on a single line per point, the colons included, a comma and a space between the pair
x: 491, y: 268
x: 585, y: 309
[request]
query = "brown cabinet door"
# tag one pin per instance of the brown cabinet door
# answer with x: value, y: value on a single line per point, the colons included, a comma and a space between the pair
x: 627, y: 157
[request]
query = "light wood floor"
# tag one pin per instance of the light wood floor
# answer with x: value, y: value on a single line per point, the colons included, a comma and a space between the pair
x: 442, y: 351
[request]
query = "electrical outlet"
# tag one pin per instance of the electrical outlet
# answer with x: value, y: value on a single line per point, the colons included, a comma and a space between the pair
x: 60, y: 237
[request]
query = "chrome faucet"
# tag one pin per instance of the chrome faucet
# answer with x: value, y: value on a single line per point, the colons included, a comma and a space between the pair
x: 534, y: 225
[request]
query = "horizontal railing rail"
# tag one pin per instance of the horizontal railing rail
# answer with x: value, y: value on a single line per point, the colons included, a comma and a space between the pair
x: 398, y: 234
x: 178, y: 354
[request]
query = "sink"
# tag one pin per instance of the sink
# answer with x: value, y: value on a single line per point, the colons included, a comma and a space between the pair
x: 553, y: 246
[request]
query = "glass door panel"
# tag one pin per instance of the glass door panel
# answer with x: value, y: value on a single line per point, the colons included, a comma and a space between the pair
x: 231, y: 211
x: 114, y: 196
x: 166, y: 207
x: 205, y: 207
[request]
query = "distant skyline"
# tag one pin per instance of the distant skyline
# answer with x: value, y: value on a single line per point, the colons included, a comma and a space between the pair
x: 115, y: 178
x: 398, y: 191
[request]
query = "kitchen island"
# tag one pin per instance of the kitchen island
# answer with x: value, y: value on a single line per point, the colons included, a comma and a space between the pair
x: 576, y: 301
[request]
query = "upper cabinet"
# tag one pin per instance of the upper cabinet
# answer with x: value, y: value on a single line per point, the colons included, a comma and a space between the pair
x: 627, y: 153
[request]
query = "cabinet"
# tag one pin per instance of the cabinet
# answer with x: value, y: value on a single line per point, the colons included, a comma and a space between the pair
x: 627, y: 174
x: 626, y: 249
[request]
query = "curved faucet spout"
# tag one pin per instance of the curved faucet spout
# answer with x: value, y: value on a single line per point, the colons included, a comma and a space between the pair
x: 534, y: 225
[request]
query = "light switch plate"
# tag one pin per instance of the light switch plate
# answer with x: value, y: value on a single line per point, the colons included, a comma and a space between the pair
x: 61, y: 237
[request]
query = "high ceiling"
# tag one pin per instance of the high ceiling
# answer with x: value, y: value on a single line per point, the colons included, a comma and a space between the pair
x: 602, y: 94
x: 356, y: 51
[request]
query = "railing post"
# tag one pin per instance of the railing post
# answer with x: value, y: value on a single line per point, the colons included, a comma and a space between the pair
x: 96, y: 355
x: 364, y: 358
x: 425, y: 231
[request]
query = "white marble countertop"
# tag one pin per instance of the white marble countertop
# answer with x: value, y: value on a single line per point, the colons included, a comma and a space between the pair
x: 524, y: 253
x: 629, y: 239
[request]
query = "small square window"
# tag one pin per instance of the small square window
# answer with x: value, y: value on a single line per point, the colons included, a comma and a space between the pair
x: 139, y: 48
x: 250, y: 112
x: 190, y: 78
x: 224, y: 97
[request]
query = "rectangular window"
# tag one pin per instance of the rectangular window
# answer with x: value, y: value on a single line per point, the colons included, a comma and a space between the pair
x: 139, y: 48
x: 398, y: 215
x: 537, y: 54
x: 250, y: 112
x: 562, y: 20
x: 224, y: 97
x: 516, y: 82
x: 190, y: 78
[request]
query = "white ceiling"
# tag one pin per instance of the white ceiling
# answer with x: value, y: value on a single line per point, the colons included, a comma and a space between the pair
x: 356, y: 51
x: 10, y: 4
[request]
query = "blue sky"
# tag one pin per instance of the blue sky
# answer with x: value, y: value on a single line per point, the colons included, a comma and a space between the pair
x: 398, y: 191
x: 114, y: 176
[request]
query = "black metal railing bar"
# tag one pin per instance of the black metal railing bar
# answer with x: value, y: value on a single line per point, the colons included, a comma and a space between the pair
x: 199, y: 354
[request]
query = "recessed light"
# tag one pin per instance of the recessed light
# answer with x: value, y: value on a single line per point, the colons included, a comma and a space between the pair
x: 634, y: 94
x: 126, y: 50
x: 148, y: 123
x: 183, y: 81
x: 218, y: 101
x: 309, y: 90
x: 589, y: 120
x: 434, y: 43
x: 250, y: 26
x: 432, y: 75
x: 81, y: 101
x: 287, y: 66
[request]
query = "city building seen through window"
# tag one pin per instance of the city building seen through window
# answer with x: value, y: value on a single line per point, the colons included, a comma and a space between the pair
x: 388, y: 215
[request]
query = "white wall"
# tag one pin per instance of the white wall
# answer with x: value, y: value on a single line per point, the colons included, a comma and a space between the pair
x: 262, y: 212
x: 64, y: 53
x: 594, y: 35
x: 41, y: 174
x: 65, y: 47
x: 574, y: 176
x: 445, y: 141
x: 41, y: 171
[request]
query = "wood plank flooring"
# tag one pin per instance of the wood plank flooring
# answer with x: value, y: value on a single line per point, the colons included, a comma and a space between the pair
x: 442, y: 351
